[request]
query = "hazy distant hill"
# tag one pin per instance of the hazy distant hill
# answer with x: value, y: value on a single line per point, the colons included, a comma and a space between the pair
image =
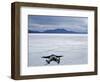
x: 30, y: 31
x: 56, y: 31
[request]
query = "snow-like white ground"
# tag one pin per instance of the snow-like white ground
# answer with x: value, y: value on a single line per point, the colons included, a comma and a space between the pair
x: 73, y: 48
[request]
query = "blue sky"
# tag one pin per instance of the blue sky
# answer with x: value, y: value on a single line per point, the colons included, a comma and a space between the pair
x: 42, y: 23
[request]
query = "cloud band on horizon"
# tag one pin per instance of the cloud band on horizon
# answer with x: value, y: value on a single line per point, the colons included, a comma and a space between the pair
x: 42, y: 23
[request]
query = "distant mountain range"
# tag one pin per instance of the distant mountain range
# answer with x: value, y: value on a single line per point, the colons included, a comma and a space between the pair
x: 57, y: 31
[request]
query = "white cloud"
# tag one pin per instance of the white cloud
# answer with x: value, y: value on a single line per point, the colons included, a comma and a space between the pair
x: 68, y: 23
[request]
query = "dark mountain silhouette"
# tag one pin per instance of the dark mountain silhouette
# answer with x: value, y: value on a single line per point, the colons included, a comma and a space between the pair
x: 57, y: 31
x: 31, y: 31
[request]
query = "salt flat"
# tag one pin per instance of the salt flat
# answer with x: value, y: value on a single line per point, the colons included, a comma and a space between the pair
x: 73, y: 48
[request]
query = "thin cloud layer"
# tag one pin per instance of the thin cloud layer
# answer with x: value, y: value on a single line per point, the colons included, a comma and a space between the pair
x: 42, y: 23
